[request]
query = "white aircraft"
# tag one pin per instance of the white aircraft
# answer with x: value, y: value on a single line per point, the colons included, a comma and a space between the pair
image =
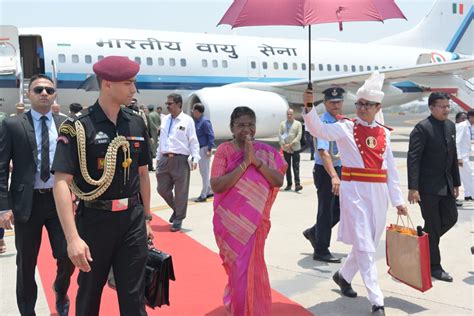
x: 223, y: 71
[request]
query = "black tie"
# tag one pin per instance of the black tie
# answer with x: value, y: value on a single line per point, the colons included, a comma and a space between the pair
x: 44, y: 173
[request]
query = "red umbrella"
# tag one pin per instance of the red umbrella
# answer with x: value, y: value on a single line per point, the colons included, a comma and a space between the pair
x: 308, y: 12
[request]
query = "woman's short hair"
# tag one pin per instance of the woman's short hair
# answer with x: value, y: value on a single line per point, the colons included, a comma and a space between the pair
x: 241, y: 111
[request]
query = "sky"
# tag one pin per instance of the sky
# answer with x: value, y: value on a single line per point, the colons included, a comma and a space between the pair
x: 189, y: 16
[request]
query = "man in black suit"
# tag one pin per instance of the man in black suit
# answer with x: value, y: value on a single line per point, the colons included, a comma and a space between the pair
x: 28, y: 141
x: 433, y: 175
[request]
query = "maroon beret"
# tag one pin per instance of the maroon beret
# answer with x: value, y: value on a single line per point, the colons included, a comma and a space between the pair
x: 116, y: 68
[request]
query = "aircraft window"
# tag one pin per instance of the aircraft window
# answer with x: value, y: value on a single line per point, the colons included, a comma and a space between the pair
x: 253, y: 65
x: 161, y: 61
x: 390, y: 67
x: 303, y: 66
x: 149, y: 61
x: 138, y: 60
x: 75, y: 58
x: 376, y: 67
x: 225, y: 64
x: 329, y: 67
x: 346, y: 69
x: 88, y: 59
x: 361, y: 68
x: 62, y: 58
x: 285, y: 66
x: 312, y: 67
x: 321, y: 67
x: 264, y: 65
x: 204, y: 63
x: 338, y: 68
x: 214, y: 63
x: 275, y: 65
x: 383, y: 67
x: 369, y: 68
x: 182, y: 61
x: 295, y: 66
x: 353, y: 68
x: 172, y: 62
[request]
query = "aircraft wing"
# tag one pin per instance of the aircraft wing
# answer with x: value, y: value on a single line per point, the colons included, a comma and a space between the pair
x: 439, y: 75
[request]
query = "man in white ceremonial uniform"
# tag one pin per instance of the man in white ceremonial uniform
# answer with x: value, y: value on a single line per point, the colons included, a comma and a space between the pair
x: 369, y: 180
x: 463, y: 146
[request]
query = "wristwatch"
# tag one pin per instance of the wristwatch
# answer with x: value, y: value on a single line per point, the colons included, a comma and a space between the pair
x: 148, y: 217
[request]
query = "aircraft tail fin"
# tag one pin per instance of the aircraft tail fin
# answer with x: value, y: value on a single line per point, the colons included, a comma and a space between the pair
x: 446, y: 27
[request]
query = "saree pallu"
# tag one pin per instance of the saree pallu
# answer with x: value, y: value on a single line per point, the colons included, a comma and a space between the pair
x: 241, y: 225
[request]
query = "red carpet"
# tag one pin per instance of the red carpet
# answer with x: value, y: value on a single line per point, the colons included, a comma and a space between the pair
x: 199, y: 285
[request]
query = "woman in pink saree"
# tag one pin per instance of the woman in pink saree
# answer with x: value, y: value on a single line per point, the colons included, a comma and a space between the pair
x: 245, y: 177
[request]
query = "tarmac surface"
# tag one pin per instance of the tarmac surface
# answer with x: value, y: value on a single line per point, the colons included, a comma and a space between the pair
x: 288, y: 254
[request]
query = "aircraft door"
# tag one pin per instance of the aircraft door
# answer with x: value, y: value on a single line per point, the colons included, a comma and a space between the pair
x: 253, y: 68
x: 32, y: 53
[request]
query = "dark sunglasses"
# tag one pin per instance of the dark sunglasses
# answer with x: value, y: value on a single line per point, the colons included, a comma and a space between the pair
x: 39, y: 89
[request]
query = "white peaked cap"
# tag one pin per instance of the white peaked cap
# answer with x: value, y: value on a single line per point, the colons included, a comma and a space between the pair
x: 372, y: 88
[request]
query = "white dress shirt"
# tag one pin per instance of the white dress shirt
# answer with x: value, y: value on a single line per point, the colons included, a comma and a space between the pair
x: 178, y: 136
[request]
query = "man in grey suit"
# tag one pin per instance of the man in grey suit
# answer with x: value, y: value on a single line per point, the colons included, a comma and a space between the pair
x: 28, y: 140
x: 290, y: 135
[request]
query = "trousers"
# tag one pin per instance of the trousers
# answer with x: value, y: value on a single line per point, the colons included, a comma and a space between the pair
x: 293, y: 161
x: 205, y: 171
x: 465, y: 171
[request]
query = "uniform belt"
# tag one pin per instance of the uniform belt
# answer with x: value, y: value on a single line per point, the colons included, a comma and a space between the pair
x: 113, y: 205
x: 171, y: 155
x: 364, y: 175
x: 43, y: 191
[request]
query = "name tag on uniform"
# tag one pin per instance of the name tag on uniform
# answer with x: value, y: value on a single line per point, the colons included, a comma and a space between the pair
x: 181, y: 128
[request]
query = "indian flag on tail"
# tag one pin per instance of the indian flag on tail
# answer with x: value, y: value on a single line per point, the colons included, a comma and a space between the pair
x: 458, y: 8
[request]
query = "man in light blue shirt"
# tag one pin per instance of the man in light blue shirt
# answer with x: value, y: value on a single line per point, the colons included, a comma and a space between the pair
x: 326, y: 176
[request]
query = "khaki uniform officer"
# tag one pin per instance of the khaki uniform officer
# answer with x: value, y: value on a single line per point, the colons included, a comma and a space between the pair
x: 102, y: 157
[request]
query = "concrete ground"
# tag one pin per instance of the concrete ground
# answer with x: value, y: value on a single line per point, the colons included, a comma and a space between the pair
x: 292, y: 270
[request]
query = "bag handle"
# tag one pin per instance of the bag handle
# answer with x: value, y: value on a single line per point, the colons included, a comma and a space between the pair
x: 409, y: 221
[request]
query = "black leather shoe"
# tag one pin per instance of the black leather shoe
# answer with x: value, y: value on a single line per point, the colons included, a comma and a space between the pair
x: 326, y: 258
x: 172, y: 217
x: 288, y: 188
x: 210, y: 195
x: 442, y: 275
x: 298, y: 188
x: 176, y: 227
x: 346, y: 288
x: 62, y: 303
x: 468, y: 198
x: 378, y: 310
x: 200, y: 199
x: 311, y: 237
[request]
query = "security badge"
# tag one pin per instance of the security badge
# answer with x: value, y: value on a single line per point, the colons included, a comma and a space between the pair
x: 371, y: 142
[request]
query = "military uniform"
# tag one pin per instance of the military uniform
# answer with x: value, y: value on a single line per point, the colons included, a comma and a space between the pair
x: 113, y: 225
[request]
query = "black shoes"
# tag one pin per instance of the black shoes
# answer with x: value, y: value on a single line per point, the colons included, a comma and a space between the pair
x: 458, y: 203
x: 442, y: 275
x: 210, y: 195
x: 287, y: 188
x: 298, y: 188
x: 310, y: 236
x: 176, y: 227
x: 468, y: 198
x: 346, y: 288
x: 378, y: 310
x: 326, y: 258
x: 200, y: 199
x: 62, y: 303
x: 173, y: 216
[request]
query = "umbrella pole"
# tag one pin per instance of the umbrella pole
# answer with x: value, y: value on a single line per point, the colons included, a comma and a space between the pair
x: 310, y: 85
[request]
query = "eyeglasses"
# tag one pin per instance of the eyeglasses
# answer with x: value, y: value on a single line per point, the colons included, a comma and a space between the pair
x: 243, y: 125
x: 39, y: 89
x: 366, y: 105
x: 169, y: 103
x: 444, y: 107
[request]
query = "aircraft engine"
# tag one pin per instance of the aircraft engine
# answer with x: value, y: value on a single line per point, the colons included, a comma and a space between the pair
x: 270, y: 108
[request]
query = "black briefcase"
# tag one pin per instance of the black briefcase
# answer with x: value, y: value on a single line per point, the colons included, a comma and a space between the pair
x: 159, y: 271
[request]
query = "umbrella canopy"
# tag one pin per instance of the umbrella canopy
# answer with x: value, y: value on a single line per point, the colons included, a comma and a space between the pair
x: 308, y: 12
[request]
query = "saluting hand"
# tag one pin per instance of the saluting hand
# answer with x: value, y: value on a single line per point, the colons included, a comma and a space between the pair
x: 80, y: 255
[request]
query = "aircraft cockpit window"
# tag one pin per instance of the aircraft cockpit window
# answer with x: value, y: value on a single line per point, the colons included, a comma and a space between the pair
x: 138, y: 60
x: 75, y: 58
x: 61, y: 58
x: 204, y: 63
x: 172, y: 62
x: 329, y: 67
x: 295, y: 66
x: 88, y: 59
x: 264, y: 65
x: 161, y: 61
x: 225, y: 64
x: 369, y: 68
x: 303, y: 66
x: 320, y: 67
x: 149, y: 61
x: 214, y: 63
x: 182, y: 62
x: 338, y: 68
x: 353, y: 68
x: 285, y: 66
x: 275, y: 65
x: 346, y: 68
